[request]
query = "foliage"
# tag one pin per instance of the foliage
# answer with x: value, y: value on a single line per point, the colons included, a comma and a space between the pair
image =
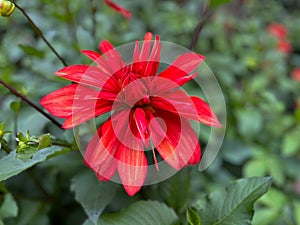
x: 43, y: 179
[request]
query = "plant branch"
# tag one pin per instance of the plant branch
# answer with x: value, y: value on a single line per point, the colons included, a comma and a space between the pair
x: 199, y: 27
x: 32, y: 104
x: 94, y: 22
x: 40, y: 33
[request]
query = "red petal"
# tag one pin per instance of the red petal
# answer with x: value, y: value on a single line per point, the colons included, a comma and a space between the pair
x: 100, y: 152
x: 112, y: 56
x: 76, y: 103
x: 60, y: 102
x: 86, y: 110
x: 144, y: 63
x: 141, y: 122
x: 119, y: 9
x: 188, y: 107
x: 132, y: 168
x: 180, y: 69
x: 180, y: 145
x: 83, y: 74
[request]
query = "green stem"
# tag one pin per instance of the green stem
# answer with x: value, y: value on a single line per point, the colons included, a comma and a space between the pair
x: 40, y: 33
x: 33, y: 105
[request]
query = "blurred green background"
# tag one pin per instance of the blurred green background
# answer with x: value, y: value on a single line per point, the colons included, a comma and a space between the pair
x: 252, y: 64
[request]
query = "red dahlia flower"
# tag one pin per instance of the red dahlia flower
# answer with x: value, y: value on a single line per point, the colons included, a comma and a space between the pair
x: 278, y: 30
x: 148, y: 110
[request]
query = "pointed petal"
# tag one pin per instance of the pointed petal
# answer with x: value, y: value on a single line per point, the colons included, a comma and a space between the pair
x: 119, y: 9
x: 205, y: 113
x: 146, y: 62
x: 91, y: 54
x: 60, y: 102
x: 112, y: 56
x: 188, y: 107
x: 180, y: 69
x: 132, y: 168
x: 83, y: 74
x: 85, y: 110
x: 100, y: 152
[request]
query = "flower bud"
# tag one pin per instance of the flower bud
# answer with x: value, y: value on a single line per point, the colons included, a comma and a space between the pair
x: 6, y: 8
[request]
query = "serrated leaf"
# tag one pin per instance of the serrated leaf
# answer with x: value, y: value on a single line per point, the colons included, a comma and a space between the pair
x: 10, y: 165
x: 142, y: 212
x: 175, y: 191
x: 193, y: 217
x: 9, y: 207
x: 92, y: 194
x: 234, y: 205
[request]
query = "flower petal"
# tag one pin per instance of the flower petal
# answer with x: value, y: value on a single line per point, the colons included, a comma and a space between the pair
x: 180, y: 69
x: 188, y: 107
x: 83, y: 74
x: 60, y: 102
x: 180, y: 145
x: 132, y: 168
x: 112, y: 56
x: 100, y: 152
x: 119, y: 9
x: 145, y: 62
x: 141, y: 122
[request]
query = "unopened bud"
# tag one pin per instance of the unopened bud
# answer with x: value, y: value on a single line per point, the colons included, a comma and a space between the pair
x: 6, y: 8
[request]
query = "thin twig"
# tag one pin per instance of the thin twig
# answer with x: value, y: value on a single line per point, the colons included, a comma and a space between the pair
x: 33, y: 105
x: 94, y: 21
x: 199, y: 26
x: 40, y: 33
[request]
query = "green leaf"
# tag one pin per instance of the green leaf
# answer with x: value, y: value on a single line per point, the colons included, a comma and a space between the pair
x: 234, y: 205
x: 142, y: 212
x: 44, y: 141
x: 291, y: 144
x: 216, y: 3
x: 193, y: 217
x: 10, y: 165
x: 32, y: 51
x: 9, y: 207
x: 15, y: 106
x: 92, y: 194
x: 176, y: 190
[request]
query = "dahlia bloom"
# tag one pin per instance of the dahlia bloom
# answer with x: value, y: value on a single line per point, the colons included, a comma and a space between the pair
x: 280, y: 33
x: 149, y: 110
x: 277, y: 30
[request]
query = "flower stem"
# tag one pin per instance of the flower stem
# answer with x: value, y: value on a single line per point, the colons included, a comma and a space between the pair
x: 199, y: 26
x: 32, y: 104
x: 94, y: 22
x: 40, y: 33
